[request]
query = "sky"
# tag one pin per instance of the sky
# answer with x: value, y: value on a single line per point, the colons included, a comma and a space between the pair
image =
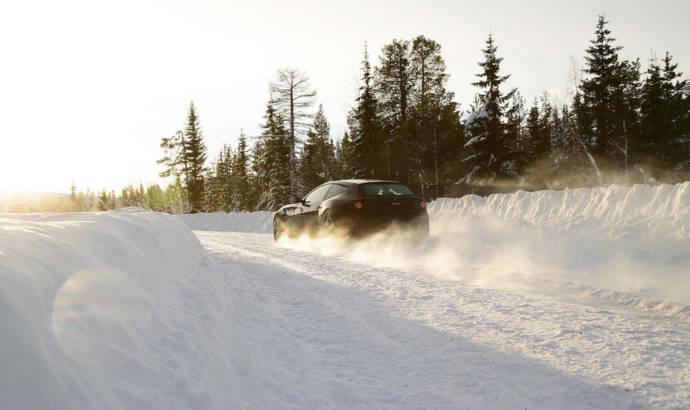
x: 88, y: 88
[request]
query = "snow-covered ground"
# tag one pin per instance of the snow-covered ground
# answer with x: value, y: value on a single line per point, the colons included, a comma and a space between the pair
x: 572, y: 299
x: 233, y: 222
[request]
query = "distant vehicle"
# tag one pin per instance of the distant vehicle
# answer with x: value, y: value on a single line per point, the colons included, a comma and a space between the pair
x: 353, y: 207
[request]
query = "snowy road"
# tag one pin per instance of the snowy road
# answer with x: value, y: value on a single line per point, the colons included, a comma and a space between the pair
x: 348, y: 335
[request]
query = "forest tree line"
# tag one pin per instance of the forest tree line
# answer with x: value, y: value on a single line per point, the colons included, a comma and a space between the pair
x: 622, y: 125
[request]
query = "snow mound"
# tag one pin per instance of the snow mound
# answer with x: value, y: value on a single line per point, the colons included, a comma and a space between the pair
x: 623, y: 245
x: 108, y: 310
x: 254, y: 222
x: 613, y: 211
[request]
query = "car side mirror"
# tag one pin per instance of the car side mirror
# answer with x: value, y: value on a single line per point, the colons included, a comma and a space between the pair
x: 299, y: 200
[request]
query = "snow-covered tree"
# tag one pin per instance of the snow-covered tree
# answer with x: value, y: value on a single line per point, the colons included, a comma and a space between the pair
x: 488, y: 152
x: 272, y: 162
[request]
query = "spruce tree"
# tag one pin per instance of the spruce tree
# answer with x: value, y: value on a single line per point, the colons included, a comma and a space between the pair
x: 365, y: 127
x: 218, y: 185
x: 608, y: 101
x: 318, y: 160
x: 257, y: 170
x: 434, y: 121
x: 241, y: 199
x: 664, y: 142
x: 677, y: 97
x: 535, y: 144
x: 394, y: 82
x: 569, y: 165
x: 273, y: 162
x: 112, y: 200
x: 488, y: 152
x: 194, y: 160
x: 517, y: 156
x: 103, y: 201
x: 654, y: 123
x: 349, y: 159
x: 155, y: 198
x: 176, y: 198
x: 534, y: 128
x: 596, y: 90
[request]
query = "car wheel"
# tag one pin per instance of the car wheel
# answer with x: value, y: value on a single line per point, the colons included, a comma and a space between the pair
x: 278, y: 229
x: 327, y: 223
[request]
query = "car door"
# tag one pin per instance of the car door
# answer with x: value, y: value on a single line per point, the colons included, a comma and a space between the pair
x: 311, y: 205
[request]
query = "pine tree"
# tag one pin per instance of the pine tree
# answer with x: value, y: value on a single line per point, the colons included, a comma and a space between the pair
x: 627, y: 113
x: 155, y: 199
x: 228, y: 179
x: 338, y: 151
x: 676, y: 95
x: 194, y: 159
x: 534, y: 128
x: 241, y: 199
x: 536, y: 144
x: 218, y: 186
x: 318, y: 161
x: 434, y: 121
x: 257, y: 169
x: 608, y: 101
x: 273, y: 162
x: 654, y: 122
x: 103, y: 201
x: 176, y: 197
x: 582, y: 121
x: 602, y: 67
x: 393, y: 83
x: 664, y: 134
x: 516, y: 156
x: 174, y: 156
x: 112, y: 200
x: 348, y: 158
x: 489, y: 153
x: 365, y: 128
x: 73, y: 200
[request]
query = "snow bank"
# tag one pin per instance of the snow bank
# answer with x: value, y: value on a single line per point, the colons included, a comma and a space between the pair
x: 255, y: 222
x: 626, y: 245
x: 108, y: 310
x: 614, y: 211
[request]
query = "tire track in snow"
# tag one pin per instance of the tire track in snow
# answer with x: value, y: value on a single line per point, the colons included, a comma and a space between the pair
x: 615, y: 350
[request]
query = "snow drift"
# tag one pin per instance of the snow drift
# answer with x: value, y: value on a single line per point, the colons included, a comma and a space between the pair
x: 232, y: 222
x: 108, y: 310
x: 627, y: 244
x: 612, y: 212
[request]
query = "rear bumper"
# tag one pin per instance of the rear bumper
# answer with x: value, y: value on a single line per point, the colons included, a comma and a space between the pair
x: 365, y: 224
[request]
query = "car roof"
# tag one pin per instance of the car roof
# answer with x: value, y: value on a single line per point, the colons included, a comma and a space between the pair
x: 361, y: 181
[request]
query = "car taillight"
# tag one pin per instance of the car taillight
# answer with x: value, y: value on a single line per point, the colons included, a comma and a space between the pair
x: 422, y: 204
x: 357, y: 205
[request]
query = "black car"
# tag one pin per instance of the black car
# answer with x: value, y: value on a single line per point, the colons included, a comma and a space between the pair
x: 354, y: 207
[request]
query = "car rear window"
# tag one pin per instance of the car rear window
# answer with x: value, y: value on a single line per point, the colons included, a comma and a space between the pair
x: 385, y: 189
